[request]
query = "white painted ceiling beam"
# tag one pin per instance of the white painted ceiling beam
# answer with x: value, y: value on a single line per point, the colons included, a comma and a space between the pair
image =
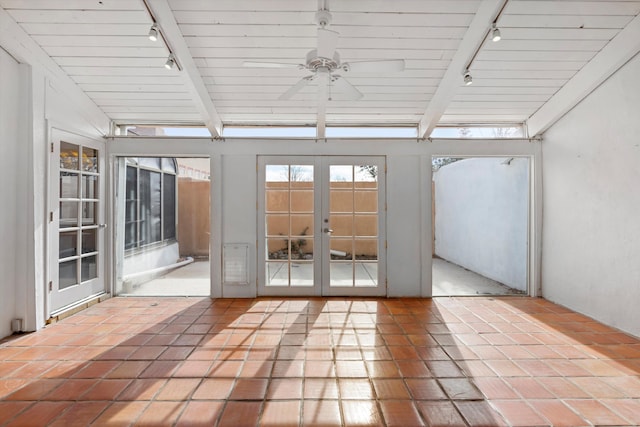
x: 193, y: 80
x: 614, y: 55
x: 472, y: 40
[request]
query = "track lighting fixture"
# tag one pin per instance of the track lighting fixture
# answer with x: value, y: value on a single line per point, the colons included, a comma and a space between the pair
x: 495, y: 33
x: 171, y: 61
x: 467, y: 78
x: 153, y: 33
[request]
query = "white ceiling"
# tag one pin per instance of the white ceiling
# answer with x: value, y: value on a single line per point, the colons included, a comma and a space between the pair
x: 103, y: 46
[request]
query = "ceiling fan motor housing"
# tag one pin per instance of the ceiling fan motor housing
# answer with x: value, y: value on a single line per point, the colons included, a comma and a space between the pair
x: 314, y: 62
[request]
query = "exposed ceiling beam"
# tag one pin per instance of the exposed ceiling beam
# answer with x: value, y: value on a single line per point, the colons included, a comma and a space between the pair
x: 614, y: 55
x: 193, y: 80
x: 471, y: 42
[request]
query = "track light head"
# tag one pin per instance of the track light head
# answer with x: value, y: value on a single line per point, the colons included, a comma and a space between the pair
x: 467, y: 78
x: 153, y: 33
x: 171, y: 61
x: 495, y: 33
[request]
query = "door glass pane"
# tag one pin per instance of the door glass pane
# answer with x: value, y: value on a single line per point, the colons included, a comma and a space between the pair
x: 289, y: 189
x: 69, y: 156
x: 301, y: 200
x: 89, y: 159
x: 366, y: 225
x: 301, y: 273
x: 69, y: 185
x: 68, y: 244
x: 302, y: 175
x: 277, y: 224
x: 301, y: 225
x: 89, y: 187
x: 341, y: 274
x: 89, y: 268
x: 341, y: 249
x: 89, y: 213
x: 341, y: 200
x: 278, y: 248
x: 67, y: 274
x: 341, y: 176
x: 277, y: 273
x: 68, y: 214
x: 89, y: 238
x: 353, y: 206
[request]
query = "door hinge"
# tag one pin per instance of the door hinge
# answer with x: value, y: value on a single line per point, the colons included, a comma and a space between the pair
x: 51, y: 216
x: 52, y: 147
x: 50, y: 285
x: 385, y: 244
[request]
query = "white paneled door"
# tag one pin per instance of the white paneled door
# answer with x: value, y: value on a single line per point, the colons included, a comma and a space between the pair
x: 76, y: 220
x: 321, y: 226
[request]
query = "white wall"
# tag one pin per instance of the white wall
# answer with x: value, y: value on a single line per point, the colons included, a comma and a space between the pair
x: 9, y: 143
x: 35, y: 97
x: 591, y: 178
x: 482, y: 217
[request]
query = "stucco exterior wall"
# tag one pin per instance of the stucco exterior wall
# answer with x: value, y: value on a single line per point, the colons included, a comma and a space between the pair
x: 481, y: 217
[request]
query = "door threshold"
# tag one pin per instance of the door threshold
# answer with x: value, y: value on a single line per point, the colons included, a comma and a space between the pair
x: 76, y: 307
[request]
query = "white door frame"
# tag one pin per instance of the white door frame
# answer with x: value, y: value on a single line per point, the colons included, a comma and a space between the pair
x: 321, y: 239
x: 60, y: 300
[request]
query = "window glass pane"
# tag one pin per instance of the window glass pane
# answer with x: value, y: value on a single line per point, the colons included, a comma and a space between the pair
x: 68, y: 214
x: 150, y: 192
x: 89, y: 240
x: 149, y: 162
x: 168, y: 164
x: 69, y: 185
x: 89, y: 159
x: 90, y: 187
x: 89, y: 212
x: 67, y: 274
x: 169, y: 220
x: 68, y: 244
x: 68, y: 156
x: 89, y: 268
x: 131, y: 209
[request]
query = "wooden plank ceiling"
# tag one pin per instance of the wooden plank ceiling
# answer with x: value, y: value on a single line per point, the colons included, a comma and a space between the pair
x: 103, y: 46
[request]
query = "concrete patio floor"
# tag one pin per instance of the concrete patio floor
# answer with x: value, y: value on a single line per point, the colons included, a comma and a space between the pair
x: 448, y: 280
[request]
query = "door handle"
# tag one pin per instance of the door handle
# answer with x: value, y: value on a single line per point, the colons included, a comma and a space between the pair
x: 102, y: 225
x: 328, y: 230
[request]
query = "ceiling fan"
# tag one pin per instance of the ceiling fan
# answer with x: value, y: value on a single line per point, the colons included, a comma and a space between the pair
x: 324, y: 64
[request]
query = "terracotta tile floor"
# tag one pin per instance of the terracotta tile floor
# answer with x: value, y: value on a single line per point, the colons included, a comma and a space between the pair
x: 508, y: 361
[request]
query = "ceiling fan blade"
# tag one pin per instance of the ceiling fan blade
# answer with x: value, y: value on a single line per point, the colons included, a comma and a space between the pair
x: 344, y: 89
x: 296, y: 88
x: 327, y: 43
x: 381, y: 66
x: 252, y: 64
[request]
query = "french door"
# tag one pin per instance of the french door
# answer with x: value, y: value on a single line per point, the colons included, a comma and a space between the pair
x: 321, y: 226
x: 76, y: 220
